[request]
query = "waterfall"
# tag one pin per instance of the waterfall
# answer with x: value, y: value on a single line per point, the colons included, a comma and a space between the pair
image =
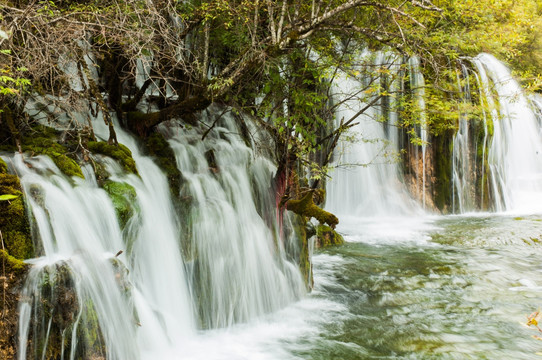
x: 462, y: 164
x: 515, y: 145
x: 239, y: 269
x: 367, y: 180
x: 417, y: 84
x: 79, y: 234
x: 215, y: 262
x: 495, y: 163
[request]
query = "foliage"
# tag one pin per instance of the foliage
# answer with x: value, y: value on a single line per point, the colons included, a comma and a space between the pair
x: 279, y: 61
x: 12, y: 83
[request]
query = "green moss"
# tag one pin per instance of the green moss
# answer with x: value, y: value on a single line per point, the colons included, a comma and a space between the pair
x: 100, y: 172
x: 13, y: 263
x: 91, y: 333
x: 306, y: 207
x: 58, y: 153
x: 160, y: 149
x: 299, y: 223
x: 13, y: 221
x: 123, y: 197
x: 120, y: 153
x: 18, y: 244
x: 326, y: 236
x: 3, y: 167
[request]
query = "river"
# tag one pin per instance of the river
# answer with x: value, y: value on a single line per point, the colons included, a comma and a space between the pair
x: 448, y: 287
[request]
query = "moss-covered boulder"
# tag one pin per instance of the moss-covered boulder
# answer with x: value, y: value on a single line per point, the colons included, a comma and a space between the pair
x: 17, y: 246
x: 118, y: 152
x: 45, y: 143
x: 124, y: 198
x: 11, y: 281
x: 326, y: 236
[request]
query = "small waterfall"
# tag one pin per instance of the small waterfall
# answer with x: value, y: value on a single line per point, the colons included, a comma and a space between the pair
x: 239, y: 266
x: 367, y: 180
x: 78, y: 279
x: 515, y: 147
x: 488, y: 104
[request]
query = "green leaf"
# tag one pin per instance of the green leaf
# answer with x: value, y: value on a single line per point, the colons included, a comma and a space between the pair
x: 7, y: 197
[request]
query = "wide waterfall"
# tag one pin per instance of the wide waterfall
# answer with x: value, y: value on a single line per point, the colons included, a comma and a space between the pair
x: 188, y: 269
x: 495, y: 158
x: 136, y: 288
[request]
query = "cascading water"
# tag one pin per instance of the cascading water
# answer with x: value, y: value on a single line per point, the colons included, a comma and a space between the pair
x: 515, y: 147
x: 417, y: 84
x: 156, y: 266
x: 366, y: 180
x: 462, y: 179
x: 79, y: 235
x: 239, y: 266
x: 141, y: 303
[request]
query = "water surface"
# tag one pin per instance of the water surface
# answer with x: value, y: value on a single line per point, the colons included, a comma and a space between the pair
x: 457, y: 287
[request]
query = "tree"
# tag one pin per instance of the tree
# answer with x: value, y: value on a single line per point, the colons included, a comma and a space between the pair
x: 274, y: 59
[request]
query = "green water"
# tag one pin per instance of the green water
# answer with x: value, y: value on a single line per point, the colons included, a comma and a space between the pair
x: 459, y: 288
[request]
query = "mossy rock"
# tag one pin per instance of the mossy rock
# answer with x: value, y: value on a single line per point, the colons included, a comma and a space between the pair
x: 300, y: 250
x: 100, y: 172
x: 13, y: 220
x: 46, y: 146
x: 60, y: 308
x: 160, y: 149
x: 123, y: 197
x: 13, y: 264
x: 118, y: 152
x: 326, y: 236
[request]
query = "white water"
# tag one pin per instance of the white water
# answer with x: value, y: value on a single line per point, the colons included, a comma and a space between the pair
x: 233, y: 256
x: 417, y: 84
x: 156, y: 266
x: 366, y: 180
x: 239, y: 263
x: 154, y: 308
x: 515, y: 150
x: 77, y: 228
x: 462, y: 178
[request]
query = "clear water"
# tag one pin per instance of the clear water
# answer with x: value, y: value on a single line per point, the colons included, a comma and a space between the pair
x: 456, y: 287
